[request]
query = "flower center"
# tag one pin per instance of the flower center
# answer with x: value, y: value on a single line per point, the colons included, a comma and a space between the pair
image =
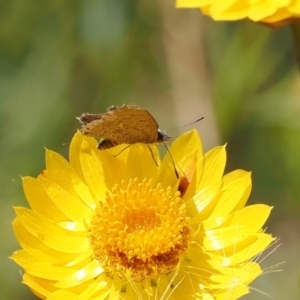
x: 140, y: 231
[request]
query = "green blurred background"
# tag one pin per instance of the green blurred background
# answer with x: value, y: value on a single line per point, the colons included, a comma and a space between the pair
x: 61, y: 58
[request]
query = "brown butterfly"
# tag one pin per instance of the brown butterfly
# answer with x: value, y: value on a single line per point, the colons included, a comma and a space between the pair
x: 127, y: 124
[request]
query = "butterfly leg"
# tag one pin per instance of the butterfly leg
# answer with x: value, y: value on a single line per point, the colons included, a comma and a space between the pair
x: 122, y: 150
x: 176, y: 173
x: 152, y: 155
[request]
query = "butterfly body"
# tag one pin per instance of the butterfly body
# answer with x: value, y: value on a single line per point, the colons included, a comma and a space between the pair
x: 127, y: 124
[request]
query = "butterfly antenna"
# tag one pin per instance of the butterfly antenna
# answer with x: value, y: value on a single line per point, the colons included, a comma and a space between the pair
x: 187, y: 124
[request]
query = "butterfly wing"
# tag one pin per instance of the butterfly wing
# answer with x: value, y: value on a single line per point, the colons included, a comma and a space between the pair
x: 87, y: 118
x: 127, y: 124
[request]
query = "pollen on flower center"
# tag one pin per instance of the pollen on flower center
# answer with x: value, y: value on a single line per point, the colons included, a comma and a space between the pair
x: 140, y: 231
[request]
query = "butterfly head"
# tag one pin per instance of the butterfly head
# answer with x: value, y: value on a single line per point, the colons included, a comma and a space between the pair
x: 162, y: 136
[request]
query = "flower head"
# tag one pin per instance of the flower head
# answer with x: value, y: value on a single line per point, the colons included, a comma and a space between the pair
x: 275, y: 12
x: 122, y: 227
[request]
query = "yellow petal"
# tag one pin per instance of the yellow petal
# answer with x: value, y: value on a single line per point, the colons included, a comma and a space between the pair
x: 185, y: 144
x: 232, y: 283
x: 213, y: 167
x: 232, y: 293
x: 231, y: 196
x: 41, y: 287
x: 96, y: 290
x: 240, y: 225
x: 114, y: 167
x: 166, y: 174
x: 230, y: 15
x: 253, y: 216
x: 281, y: 14
x: 38, y: 224
x: 71, y: 206
x: 62, y: 294
x: 239, y: 275
x: 142, y: 162
x: 29, y: 237
x: 60, y: 171
x: 187, y: 165
x: 261, y: 10
x: 44, y: 270
x: 46, y: 254
x: 242, y: 251
x: 236, y: 174
x: 295, y: 7
x: 229, y: 5
x: 24, y: 237
x: 35, y: 191
x: 201, y: 205
x: 186, y: 168
x: 88, y: 272
x: 75, y: 150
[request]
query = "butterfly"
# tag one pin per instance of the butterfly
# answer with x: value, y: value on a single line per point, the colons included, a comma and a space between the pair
x: 127, y: 124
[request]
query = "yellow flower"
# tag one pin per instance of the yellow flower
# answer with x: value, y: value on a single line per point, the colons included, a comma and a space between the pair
x: 106, y: 227
x: 267, y: 11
